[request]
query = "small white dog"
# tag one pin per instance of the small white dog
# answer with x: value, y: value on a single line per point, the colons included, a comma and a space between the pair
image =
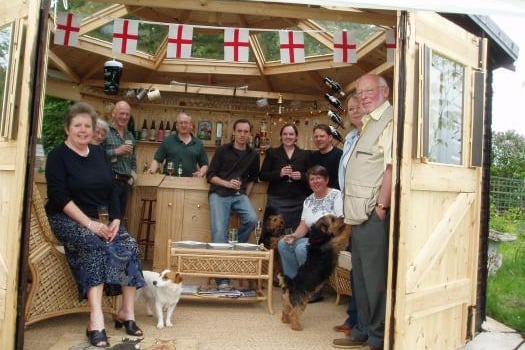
x: 161, y: 290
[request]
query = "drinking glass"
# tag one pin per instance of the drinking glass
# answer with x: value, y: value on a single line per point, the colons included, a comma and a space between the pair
x: 238, y: 192
x: 258, y: 232
x: 233, y: 236
x: 289, y: 180
x: 170, y: 167
x: 103, y: 214
x: 288, y: 231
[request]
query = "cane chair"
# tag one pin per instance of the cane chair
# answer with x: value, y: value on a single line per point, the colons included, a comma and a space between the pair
x: 52, y: 290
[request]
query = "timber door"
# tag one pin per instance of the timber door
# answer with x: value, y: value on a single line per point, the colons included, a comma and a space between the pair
x: 19, y: 29
x: 435, y: 252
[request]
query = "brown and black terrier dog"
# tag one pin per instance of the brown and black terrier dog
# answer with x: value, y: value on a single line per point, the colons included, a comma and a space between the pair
x: 274, y: 225
x: 327, y: 237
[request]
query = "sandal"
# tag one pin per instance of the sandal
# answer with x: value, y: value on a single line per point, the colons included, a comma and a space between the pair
x: 98, y: 338
x: 131, y: 327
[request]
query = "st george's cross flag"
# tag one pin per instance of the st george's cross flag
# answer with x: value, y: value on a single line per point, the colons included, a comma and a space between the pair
x: 390, y: 44
x: 68, y: 26
x: 291, y: 46
x: 345, y: 49
x: 180, y: 39
x: 236, y: 45
x: 125, y: 36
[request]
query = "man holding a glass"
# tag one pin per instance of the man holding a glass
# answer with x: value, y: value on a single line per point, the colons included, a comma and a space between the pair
x: 232, y: 174
x: 184, y: 153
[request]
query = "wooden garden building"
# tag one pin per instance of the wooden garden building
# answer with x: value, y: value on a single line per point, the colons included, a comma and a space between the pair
x: 439, y: 66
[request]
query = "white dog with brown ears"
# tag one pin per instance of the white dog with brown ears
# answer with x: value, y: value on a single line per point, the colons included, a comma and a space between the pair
x: 161, y: 290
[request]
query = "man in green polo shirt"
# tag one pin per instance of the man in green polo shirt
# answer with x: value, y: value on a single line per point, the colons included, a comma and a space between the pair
x: 183, y: 149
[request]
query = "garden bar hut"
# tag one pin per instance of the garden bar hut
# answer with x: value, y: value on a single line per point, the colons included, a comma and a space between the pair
x: 438, y: 59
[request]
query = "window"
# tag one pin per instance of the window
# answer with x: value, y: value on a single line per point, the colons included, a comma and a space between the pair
x: 443, y: 109
x: 6, y: 38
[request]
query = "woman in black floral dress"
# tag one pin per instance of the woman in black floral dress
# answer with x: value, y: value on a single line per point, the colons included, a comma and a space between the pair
x: 104, y: 258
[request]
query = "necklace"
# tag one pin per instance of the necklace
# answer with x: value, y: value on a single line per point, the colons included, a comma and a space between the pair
x: 80, y: 153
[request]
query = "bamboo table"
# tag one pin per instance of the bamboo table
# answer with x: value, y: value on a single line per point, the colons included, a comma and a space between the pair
x: 230, y: 263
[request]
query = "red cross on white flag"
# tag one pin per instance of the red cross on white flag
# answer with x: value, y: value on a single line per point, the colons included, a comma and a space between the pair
x: 236, y: 46
x: 292, y: 46
x: 345, y: 49
x: 125, y: 36
x: 390, y: 44
x: 180, y: 39
x: 68, y: 26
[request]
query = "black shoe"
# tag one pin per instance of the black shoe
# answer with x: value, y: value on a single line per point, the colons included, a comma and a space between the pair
x: 131, y: 327
x: 314, y: 298
x: 98, y: 338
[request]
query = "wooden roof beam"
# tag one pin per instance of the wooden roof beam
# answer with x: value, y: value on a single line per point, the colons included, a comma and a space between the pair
x: 324, y: 37
x: 273, y: 10
x: 102, y: 17
x: 259, y: 60
x: 207, y: 90
x: 63, y: 67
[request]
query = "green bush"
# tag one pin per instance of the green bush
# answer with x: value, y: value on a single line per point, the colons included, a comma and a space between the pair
x: 53, y: 123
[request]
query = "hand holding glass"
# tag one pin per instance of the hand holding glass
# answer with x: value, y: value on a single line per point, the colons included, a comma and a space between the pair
x: 103, y: 214
x: 238, y: 179
x: 289, y: 180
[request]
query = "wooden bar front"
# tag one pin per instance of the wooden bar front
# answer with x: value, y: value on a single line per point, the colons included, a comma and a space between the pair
x: 182, y: 213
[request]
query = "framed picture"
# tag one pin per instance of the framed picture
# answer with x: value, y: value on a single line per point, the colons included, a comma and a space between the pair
x: 204, y: 130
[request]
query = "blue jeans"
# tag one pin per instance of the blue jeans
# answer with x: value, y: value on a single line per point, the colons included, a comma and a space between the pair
x: 292, y: 255
x: 220, y: 209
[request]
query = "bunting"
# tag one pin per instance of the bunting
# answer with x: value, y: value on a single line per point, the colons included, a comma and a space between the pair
x: 68, y: 26
x: 236, y: 46
x: 180, y: 39
x: 125, y: 36
x: 236, y: 40
x: 390, y: 44
x: 345, y: 48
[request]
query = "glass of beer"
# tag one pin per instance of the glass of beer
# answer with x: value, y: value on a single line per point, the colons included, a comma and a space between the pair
x: 103, y: 214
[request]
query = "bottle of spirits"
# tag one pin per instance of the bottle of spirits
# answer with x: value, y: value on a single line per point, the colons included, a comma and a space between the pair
x: 152, y: 132
x: 334, y: 86
x: 160, y: 132
x: 334, y: 101
x: 144, y: 131
x: 336, y: 118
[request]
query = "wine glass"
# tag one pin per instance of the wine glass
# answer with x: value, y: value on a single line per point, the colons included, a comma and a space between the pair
x: 257, y: 233
x: 289, y: 180
x: 233, y: 236
x: 238, y: 179
x: 170, y: 167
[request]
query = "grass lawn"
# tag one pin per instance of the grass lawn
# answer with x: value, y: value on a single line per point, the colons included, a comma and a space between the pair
x: 506, y: 289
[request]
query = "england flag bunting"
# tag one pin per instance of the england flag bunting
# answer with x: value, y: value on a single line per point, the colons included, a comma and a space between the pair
x: 236, y: 45
x: 68, y: 26
x: 125, y: 36
x: 180, y: 39
x: 291, y: 46
x: 390, y: 44
x: 345, y: 49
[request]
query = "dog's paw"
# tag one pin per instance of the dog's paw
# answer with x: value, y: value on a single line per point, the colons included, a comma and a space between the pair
x: 160, y: 325
x: 169, y: 324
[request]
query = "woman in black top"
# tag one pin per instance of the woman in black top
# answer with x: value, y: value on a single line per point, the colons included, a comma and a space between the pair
x: 284, y: 168
x: 103, y: 256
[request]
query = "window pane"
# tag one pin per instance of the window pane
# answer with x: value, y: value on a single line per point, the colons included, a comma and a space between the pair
x: 445, y: 114
x: 5, y: 53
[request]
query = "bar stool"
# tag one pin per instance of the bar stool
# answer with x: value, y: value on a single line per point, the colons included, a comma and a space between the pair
x: 148, y: 240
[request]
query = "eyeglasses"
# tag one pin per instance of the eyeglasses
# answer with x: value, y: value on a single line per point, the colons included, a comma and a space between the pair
x: 368, y: 92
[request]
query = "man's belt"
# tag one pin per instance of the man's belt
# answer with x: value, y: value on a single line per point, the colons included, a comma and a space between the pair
x: 120, y: 177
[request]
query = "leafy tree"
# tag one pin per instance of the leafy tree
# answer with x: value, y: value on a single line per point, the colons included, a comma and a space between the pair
x: 53, y: 124
x: 508, y: 154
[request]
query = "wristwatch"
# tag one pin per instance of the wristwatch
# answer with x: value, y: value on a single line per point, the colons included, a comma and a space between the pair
x: 381, y: 206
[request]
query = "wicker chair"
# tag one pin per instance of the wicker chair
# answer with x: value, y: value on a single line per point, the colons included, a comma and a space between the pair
x: 52, y: 289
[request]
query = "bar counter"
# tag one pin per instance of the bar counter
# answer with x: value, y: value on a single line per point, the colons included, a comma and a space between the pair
x: 181, y: 211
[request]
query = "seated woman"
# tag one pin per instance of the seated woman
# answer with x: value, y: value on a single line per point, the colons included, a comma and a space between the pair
x: 102, y: 255
x: 324, y: 200
x: 101, y: 132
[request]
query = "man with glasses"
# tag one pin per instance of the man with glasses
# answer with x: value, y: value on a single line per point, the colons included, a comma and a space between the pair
x: 184, y: 150
x: 367, y: 187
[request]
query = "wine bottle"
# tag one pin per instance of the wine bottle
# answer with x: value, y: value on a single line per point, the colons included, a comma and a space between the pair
x: 336, y: 134
x: 335, y: 118
x: 179, y: 169
x: 174, y: 128
x: 131, y: 125
x: 160, y: 132
x: 152, y: 132
x: 257, y: 142
x: 334, y: 101
x: 144, y: 131
x: 334, y: 86
x: 167, y: 131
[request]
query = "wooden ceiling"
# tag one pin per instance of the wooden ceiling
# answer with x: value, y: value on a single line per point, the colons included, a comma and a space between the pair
x: 83, y: 65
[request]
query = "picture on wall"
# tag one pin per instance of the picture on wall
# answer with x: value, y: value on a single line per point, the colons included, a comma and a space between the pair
x: 204, y: 130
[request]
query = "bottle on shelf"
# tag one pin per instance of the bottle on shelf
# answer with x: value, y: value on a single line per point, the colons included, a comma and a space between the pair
x: 334, y: 101
x: 167, y: 131
x: 174, y: 128
x: 336, y: 134
x: 257, y: 141
x: 144, y: 131
x: 336, y: 118
x: 160, y: 132
x: 152, y: 132
x: 131, y: 125
x: 334, y: 86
